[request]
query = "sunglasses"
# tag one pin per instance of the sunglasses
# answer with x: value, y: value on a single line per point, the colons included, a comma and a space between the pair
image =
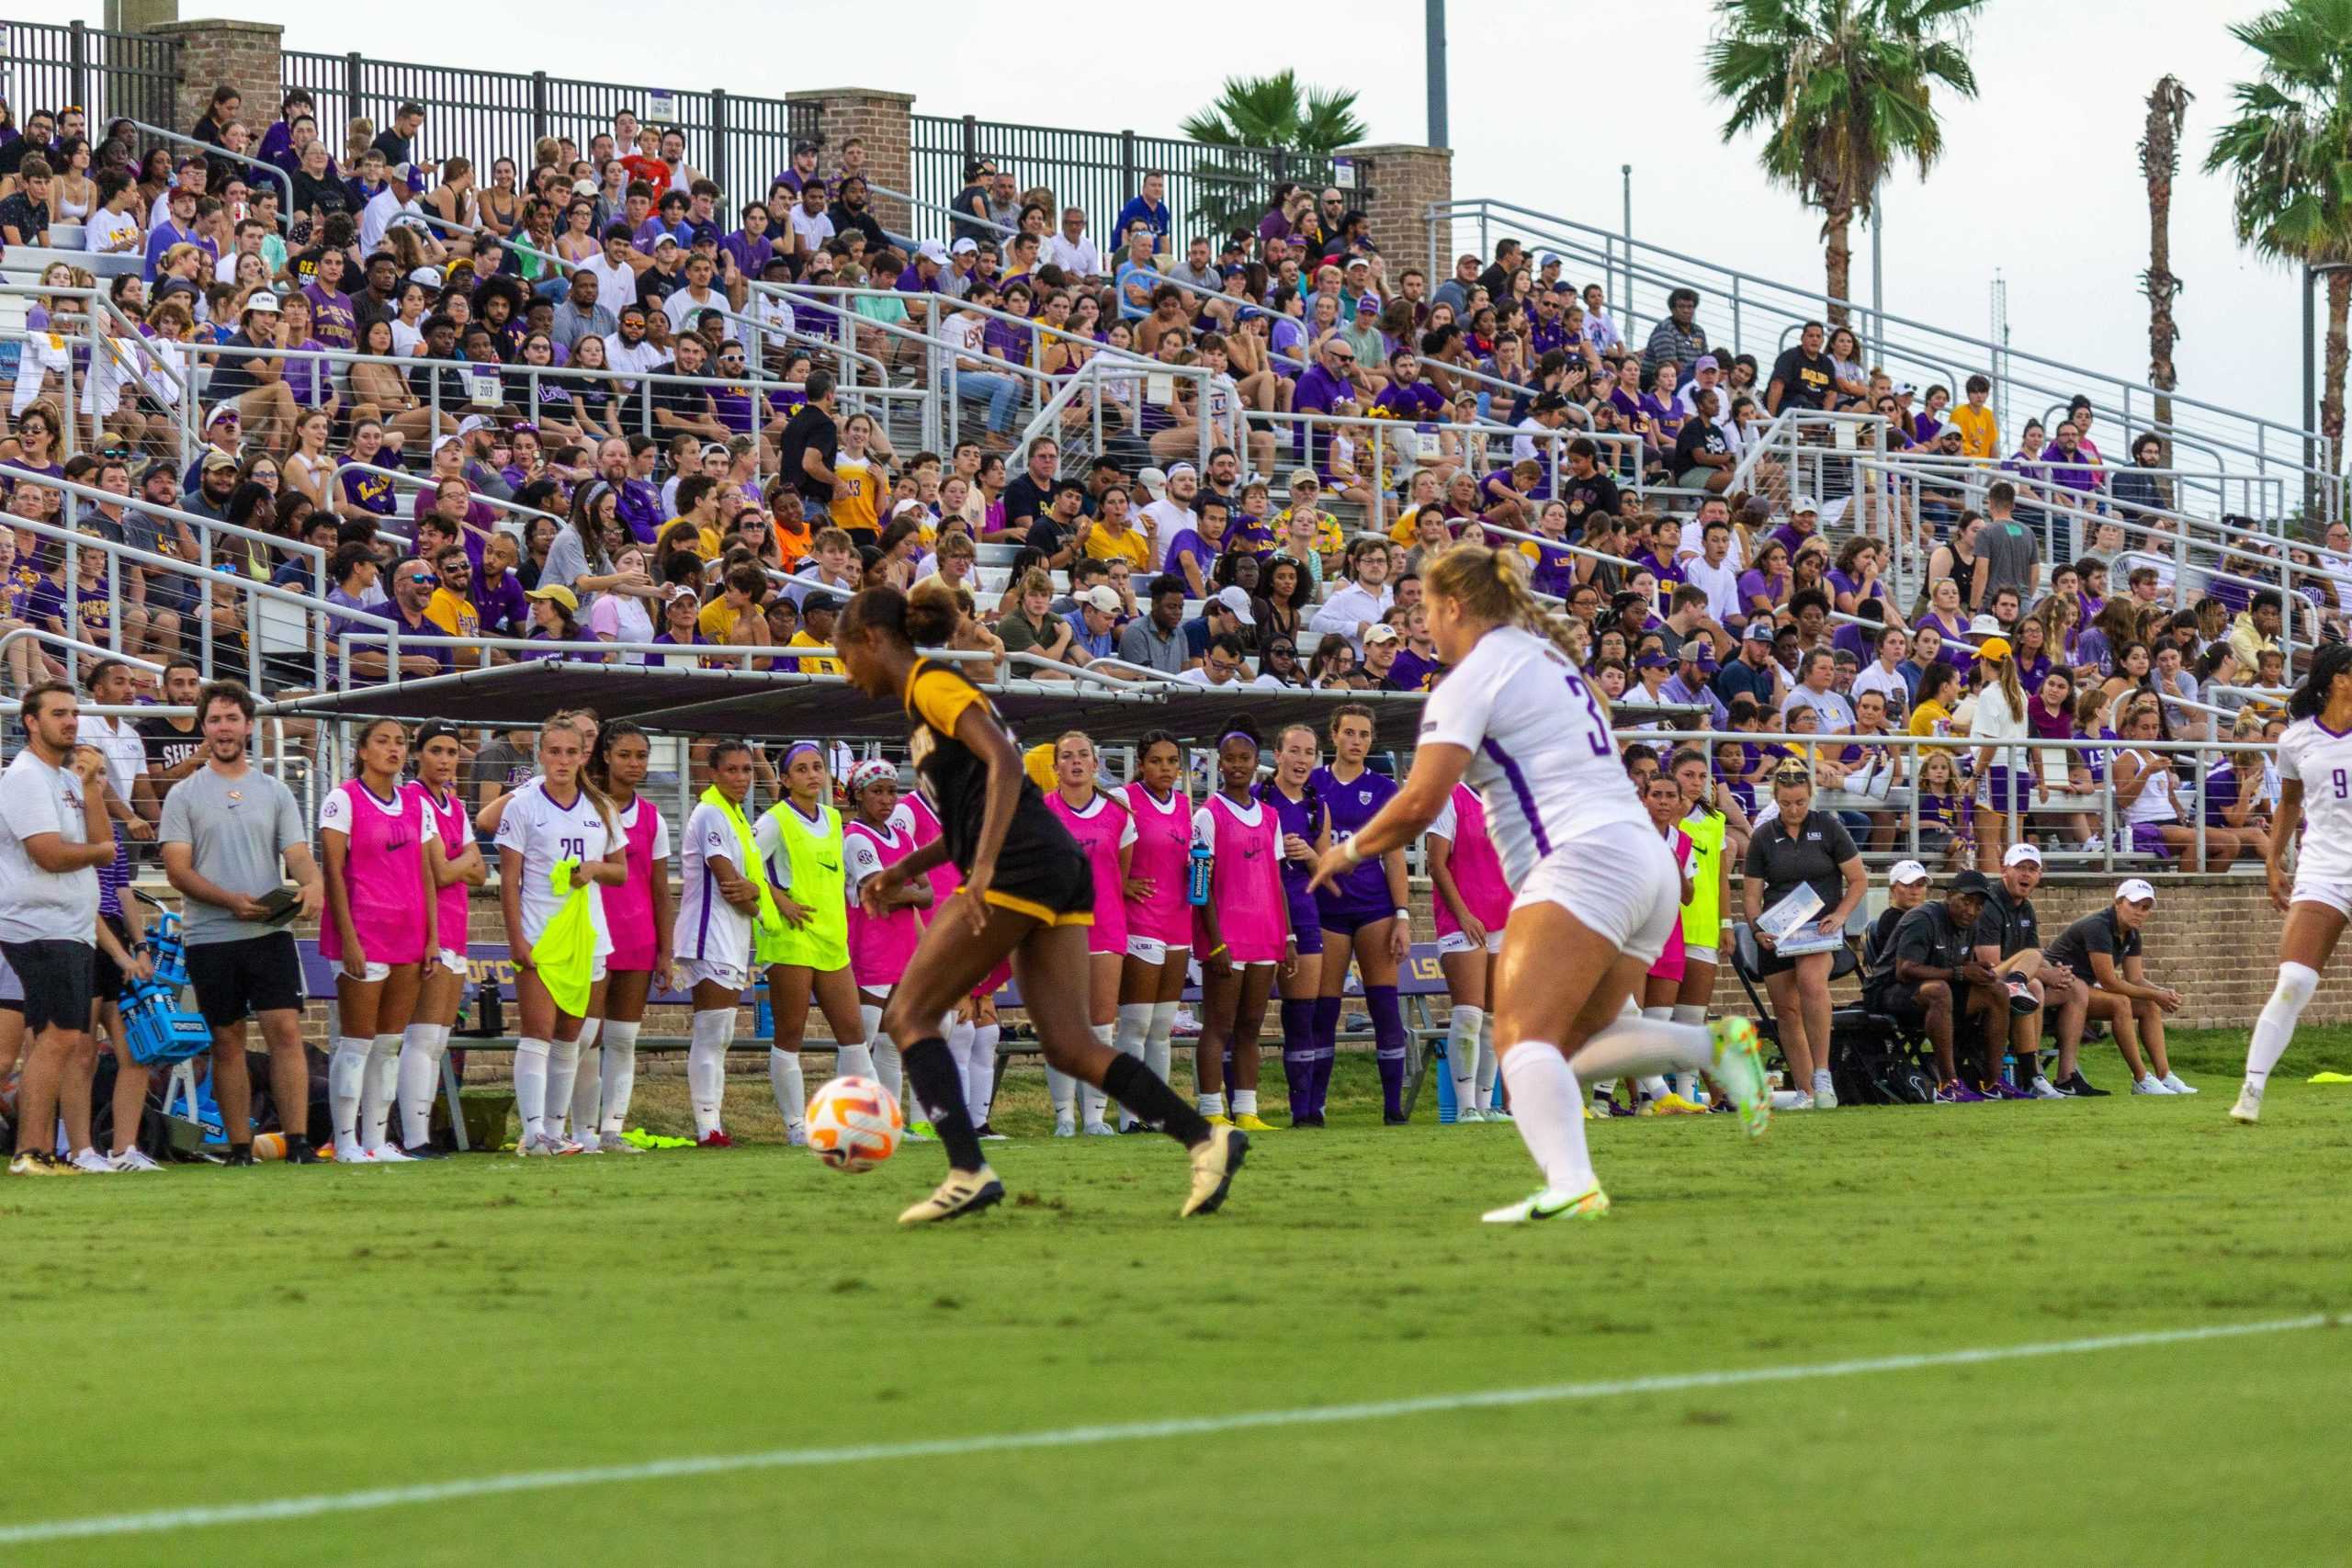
x: 423, y: 579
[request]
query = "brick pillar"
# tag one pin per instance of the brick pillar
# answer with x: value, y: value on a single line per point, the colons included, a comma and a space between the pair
x: 884, y: 122
x: 213, y: 50
x: 1403, y: 180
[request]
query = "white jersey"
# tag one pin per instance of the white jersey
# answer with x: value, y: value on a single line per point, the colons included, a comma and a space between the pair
x: 2156, y: 803
x: 709, y: 928
x: 1546, y: 769
x: 543, y: 832
x: 2321, y: 761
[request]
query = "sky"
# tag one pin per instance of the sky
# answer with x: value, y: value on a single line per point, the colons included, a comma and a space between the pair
x: 2041, y: 177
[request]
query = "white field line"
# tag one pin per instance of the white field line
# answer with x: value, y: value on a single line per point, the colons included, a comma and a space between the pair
x: 164, y: 1520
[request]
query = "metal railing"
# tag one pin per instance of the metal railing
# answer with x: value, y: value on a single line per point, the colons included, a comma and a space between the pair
x: 110, y: 75
x: 211, y: 151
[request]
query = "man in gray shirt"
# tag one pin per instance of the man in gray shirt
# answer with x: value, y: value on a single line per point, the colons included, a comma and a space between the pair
x: 2005, y: 554
x: 1156, y: 641
x: 226, y: 829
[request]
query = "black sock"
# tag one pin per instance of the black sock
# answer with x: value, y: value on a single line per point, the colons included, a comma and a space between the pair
x: 939, y: 1088
x: 1139, y: 1089
x: 295, y: 1141
x: 245, y: 1148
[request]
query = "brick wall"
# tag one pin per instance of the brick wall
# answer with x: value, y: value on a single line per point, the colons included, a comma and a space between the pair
x: 243, y: 55
x: 884, y: 122
x: 1403, y: 181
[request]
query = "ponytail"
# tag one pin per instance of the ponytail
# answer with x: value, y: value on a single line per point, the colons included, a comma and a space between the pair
x: 2309, y: 698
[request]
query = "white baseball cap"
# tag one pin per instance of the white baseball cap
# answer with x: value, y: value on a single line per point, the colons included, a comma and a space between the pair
x: 1104, y: 599
x: 933, y: 251
x: 1907, y: 872
x: 2021, y: 854
x: 1380, y: 634
x: 472, y: 422
x: 965, y: 247
x: 1804, y: 504
x: 2136, y: 891
x: 1236, y: 598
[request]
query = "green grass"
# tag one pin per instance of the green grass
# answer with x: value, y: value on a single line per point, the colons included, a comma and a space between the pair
x: 211, y: 1336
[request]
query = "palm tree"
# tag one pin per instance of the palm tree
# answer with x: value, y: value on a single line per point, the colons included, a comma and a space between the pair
x: 2289, y: 155
x: 2159, y: 161
x: 1251, y: 115
x: 1843, y: 90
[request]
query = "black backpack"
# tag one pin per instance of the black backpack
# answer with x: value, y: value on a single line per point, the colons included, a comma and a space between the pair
x: 1866, y: 1070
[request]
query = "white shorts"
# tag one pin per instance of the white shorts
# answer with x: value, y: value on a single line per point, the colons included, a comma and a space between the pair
x: 1631, y: 893
x: 370, y: 974
x: 693, y: 972
x: 2336, y: 896
x: 452, y: 960
x: 1149, y: 950
x: 1459, y: 942
x: 1698, y: 954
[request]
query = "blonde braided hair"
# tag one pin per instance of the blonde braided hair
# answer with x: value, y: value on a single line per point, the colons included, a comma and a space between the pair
x: 1491, y: 585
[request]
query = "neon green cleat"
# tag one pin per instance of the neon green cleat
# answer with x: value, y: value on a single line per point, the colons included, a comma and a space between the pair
x: 1550, y: 1205
x: 1739, y: 1073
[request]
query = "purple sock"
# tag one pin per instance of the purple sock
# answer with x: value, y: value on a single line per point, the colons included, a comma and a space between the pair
x: 1298, y: 1054
x: 1327, y: 1046
x: 1388, y: 1045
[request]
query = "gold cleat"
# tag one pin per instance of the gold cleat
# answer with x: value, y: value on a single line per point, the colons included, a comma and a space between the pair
x: 1214, y: 1164
x: 964, y: 1192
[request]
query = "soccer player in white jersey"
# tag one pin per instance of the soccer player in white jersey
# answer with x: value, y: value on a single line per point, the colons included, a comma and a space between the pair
x: 2315, y: 790
x: 1597, y: 890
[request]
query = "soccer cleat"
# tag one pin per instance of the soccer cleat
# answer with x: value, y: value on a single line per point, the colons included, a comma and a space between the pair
x: 1398, y: 1119
x: 715, y: 1139
x: 91, y: 1163
x: 964, y: 1192
x: 425, y: 1151
x: 1098, y: 1130
x: 617, y: 1144
x: 1550, y: 1205
x: 1214, y: 1164
x: 238, y: 1157
x: 347, y: 1153
x: 388, y: 1154
x: 1219, y: 1120
x: 922, y: 1132
x: 1469, y: 1114
x: 1186, y: 1024
x: 37, y: 1162
x: 1250, y: 1123
x: 989, y: 1134
x: 1671, y: 1105
x: 2150, y: 1084
x: 1497, y: 1113
x: 2043, y: 1089
x: 2248, y: 1108
x: 2171, y: 1081
x: 1825, y: 1094
x: 586, y: 1145
x: 1065, y: 1126
x: 1738, y: 1071
x: 794, y: 1136
x: 133, y: 1158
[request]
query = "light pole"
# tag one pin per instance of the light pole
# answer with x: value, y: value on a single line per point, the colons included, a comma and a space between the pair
x: 1436, y: 70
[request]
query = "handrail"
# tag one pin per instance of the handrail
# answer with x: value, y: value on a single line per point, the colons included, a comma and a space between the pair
x: 946, y: 212
x: 213, y: 150
x: 41, y: 633
x: 193, y: 520
x: 422, y: 482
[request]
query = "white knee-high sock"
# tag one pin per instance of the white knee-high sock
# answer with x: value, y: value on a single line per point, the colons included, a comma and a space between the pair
x: 1158, y: 1054
x: 1489, y: 1065
x: 2276, y: 1027
x: 347, y: 1078
x: 1686, y: 1083
x: 588, y: 1082
x: 888, y: 1068
x: 379, y: 1089
x: 1633, y: 1047
x: 420, y: 1080
x: 1090, y: 1100
x: 1062, y: 1089
x: 980, y: 1072
x: 1462, y: 1027
x: 1127, y: 1039
x: 790, y: 1088
x: 531, y: 1085
x: 563, y: 1069
x: 707, y: 1067
x: 1549, y: 1113
x: 958, y: 1034
x: 616, y: 1075
x: 851, y: 1061
x: 1654, y: 1085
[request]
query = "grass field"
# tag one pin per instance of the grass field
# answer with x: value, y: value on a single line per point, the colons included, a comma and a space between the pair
x: 218, y: 1338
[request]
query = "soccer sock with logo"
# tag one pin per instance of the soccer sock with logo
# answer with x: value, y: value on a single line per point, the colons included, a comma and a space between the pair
x: 1062, y: 1089
x: 1687, y: 1084
x: 790, y: 1085
x: 347, y: 1073
x: 980, y: 1071
x: 420, y: 1080
x: 1549, y: 1113
x: 1640, y: 1047
x: 1489, y: 1065
x: 938, y: 1084
x: 563, y: 1070
x: 379, y: 1089
x: 531, y: 1084
x: 1298, y: 1054
x: 2276, y: 1026
x: 707, y: 1067
x: 1089, y: 1099
x: 1461, y: 1028
x: 1388, y: 1045
x: 588, y: 1082
x: 616, y: 1075
x: 1133, y: 1086
x: 1327, y: 1047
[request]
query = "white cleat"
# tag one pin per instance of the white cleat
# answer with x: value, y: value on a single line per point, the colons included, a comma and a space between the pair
x: 2172, y: 1082
x: 390, y: 1153
x: 1551, y: 1205
x: 2149, y: 1084
x: 133, y: 1158
x: 94, y: 1163
x: 1468, y: 1114
x: 614, y: 1143
x: 1099, y: 1130
x: 1792, y: 1100
x: 2248, y: 1108
x: 1065, y: 1127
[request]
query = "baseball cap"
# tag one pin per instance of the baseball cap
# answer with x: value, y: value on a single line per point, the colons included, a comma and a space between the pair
x: 1759, y: 630
x: 1549, y: 402
x: 2021, y: 854
x: 1707, y: 362
x: 1379, y: 634
x: 1102, y: 598
x: 1907, y: 872
x: 1236, y: 598
x: 1994, y: 648
x: 820, y: 604
x: 1647, y: 661
x: 1904, y: 389
x: 430, y: 277
x: 404, y: 173
x: 2136, y: 891
x: 1969, y: 881
x: 584, y: 188
x: 665, y: 238
x: 1368, y: 302
x: 216, y: 459
x: 472, y: 422
x: 1304, y: 479
x: 262, y: 302
x: 1154, y: 481
x: 556, y: 592
x: 965, y: 248
x: 1175, y: 468
x: 441, y: 441
x: 1804, y: 504
x: 933, y: 251
x: 1549, y: 258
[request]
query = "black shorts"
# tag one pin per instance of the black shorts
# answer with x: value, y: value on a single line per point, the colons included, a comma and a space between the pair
x: 242, y: 979
x: 1048, y: 881
x: 1900, y: 1003
x: 106, y: 975
x: 56, y: 979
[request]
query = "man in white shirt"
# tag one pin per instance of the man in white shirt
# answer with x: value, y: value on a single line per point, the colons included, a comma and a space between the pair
x: 700, y: 294
x: 1711, y: 568
x: 811, y: 224
x: 1071, y: 251
x: 1549, y: 412
x: 397, y: 199
x: 1172, y: 513
x: 616, y: 269
x: 630, y: 353
x: 108, y: 682
x: 1882, y: 676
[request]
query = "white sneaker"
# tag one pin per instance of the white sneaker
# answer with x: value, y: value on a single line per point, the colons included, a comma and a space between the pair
x: 1099, y: 1130
x: 1792, y: 1100
x: 95, y: 1163
x: 390, y: 1153
x: 135, y: 1158
x: 1186, y: 1024
x: 1824, y: 1093
x: 2171, y: 1081
x: 2150, y: 1084
x: 2248, y: 1108
x: 614, y: 1143
x: 1065, y: 1127
x: 796, y: 1135
x: 349, y: 1153
x: 1468, y: 1114
x: 591, y: 1145
x: 2043, y: 1089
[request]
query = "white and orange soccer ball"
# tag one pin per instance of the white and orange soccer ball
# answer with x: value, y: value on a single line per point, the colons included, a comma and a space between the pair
x: 854, y: 1123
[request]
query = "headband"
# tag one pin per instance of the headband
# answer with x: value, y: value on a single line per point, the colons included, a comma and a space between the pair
x: 799, y: 746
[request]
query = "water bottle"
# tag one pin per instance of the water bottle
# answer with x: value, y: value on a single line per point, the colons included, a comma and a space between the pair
x: 1196, y: 876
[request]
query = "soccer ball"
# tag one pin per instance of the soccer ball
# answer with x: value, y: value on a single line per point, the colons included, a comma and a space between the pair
x: 853, y: 1123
